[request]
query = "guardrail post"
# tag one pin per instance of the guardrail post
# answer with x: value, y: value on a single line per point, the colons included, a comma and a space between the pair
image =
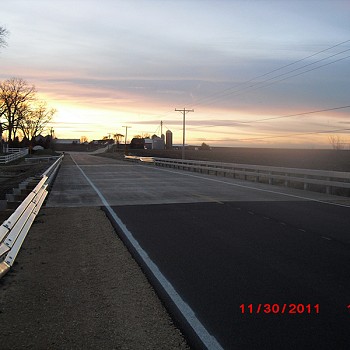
x: 270, y: 178
x: 286, y: 182
x: 257, y: 176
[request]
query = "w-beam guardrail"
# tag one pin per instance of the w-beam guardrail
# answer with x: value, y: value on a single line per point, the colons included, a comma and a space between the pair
x: 306, y: 178
x: 14, y: 230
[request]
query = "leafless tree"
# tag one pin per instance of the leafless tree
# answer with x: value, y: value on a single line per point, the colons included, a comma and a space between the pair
x: 337, y: 142
x: 15, y: 95
x: 83, y: 139
x: 34, y: 119
x: 3, y: 33
x: 117, y: 138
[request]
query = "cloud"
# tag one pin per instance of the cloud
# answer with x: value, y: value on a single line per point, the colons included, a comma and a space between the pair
x: 108, y: 61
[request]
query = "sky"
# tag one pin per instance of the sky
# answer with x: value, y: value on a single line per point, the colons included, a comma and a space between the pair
x: 250, y: 70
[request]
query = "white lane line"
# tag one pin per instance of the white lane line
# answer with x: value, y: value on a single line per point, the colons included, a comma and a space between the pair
x: 327, y: 238
x: 251, y: 188
x: 208, y: 340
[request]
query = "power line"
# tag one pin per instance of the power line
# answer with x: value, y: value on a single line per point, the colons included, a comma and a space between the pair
x: 298, y: 114
x: 258, y: 85
x: 251, y: 87
x: 274, y: 70
x: 289, y: 135
x: 235, y: 122
x: 295, y: 75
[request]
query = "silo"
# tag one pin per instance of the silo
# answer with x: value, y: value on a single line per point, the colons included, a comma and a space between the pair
x: 169, y: 139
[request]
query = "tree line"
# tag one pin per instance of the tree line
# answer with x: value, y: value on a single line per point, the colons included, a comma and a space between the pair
x: 21, y: 112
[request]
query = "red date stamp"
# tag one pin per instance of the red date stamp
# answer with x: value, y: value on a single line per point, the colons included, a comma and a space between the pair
x: 280, y: 309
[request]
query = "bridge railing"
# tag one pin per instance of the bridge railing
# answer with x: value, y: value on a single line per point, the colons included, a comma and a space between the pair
x: 14, y: 230
x: 306, y: 179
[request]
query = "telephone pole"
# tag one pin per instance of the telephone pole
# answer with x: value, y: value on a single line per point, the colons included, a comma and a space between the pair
x: 184, y: 111
x: 126, y: 135
x: 109, y: 137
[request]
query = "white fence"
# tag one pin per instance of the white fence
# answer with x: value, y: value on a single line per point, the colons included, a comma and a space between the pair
x: 14, y: 153
x: 304, y: 178
x: 14, y: 230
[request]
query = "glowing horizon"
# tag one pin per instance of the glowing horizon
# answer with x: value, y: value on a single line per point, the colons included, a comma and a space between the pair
x: 130, y: 70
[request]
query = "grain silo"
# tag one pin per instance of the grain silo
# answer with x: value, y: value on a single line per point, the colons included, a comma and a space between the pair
x: 169, y: 139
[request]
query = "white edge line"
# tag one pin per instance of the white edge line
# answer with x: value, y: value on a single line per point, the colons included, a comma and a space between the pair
x: 208, y: 340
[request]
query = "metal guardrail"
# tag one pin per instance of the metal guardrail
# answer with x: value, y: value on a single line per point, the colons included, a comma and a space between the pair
x: 259, y: 173
x: 14, y: 230
x: 14, y: 153
x: 140, y: 159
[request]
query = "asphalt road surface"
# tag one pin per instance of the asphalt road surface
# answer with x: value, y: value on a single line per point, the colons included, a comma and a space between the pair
x: 241, y: 265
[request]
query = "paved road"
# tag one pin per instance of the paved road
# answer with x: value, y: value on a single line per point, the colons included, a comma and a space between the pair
x: 217, y: 244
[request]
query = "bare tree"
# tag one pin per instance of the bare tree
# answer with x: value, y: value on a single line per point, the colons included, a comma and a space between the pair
x: 83, y: 139
x: 117, y: 138
x: 3, y: 33
x: 336, y: 142
x: 15, y: 95
x: 34, y: 119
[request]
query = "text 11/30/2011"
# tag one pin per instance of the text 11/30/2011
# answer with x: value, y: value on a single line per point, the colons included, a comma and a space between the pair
x: 280, y: 309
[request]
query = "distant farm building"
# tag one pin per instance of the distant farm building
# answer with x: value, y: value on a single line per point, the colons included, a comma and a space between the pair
x: 158, y: 143
x: 67, y: 141
x: 137, y: 143
x: 148, y: 143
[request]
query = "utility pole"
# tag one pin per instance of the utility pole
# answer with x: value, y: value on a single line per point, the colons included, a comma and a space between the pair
x: 109, y: 137
x: 52, y: 131
x: 126, y: 135
x: 184, y: 111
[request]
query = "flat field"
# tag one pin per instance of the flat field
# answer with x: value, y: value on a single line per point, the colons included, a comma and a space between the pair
x: 337, y: 160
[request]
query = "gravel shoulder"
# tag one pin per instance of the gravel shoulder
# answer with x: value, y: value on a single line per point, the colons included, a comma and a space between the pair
x: 76, y: 286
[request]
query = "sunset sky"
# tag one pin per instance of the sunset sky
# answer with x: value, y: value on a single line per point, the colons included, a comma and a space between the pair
x: 247, y: 68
